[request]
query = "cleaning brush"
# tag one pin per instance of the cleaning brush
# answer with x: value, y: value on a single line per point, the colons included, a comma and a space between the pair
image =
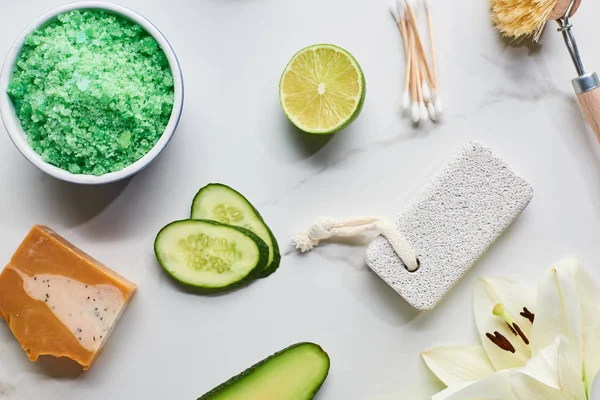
x: 522, y: 18
x: 527, y: 18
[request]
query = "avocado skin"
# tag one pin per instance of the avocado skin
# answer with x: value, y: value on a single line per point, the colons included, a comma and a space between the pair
x: 231, y: 382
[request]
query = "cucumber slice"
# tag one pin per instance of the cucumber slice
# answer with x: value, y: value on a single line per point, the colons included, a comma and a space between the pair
x: 210, y: 255
x: 295, y: 373
x: 221, y: 203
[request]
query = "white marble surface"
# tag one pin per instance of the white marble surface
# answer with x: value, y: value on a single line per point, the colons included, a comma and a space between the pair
x: 175, y: 345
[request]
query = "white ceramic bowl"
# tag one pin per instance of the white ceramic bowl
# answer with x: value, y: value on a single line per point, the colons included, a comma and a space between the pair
x: 13, y: 125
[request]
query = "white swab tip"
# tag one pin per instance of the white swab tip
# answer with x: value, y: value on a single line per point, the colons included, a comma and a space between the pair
x: 431, y: 110
x: 423, y: 112
x: 428, y: 4
x: 415, y: 114
x: 401, y: 9
x: 426, y: 91
x: 394, y: 12
x: 439, y: 109
x: 406, y: 101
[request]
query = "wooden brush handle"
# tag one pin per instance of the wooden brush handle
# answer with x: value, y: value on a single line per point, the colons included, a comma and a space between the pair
x: 590, y: 104
x: 587, y: 88
x: 561, y: 9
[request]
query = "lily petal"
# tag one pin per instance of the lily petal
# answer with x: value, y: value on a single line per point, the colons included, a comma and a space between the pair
x: 458, y: 364
x: 515, y: 297
x: 551, y: 374
x: 445, y: 394
x: 558, y: 310
x: 545, y: 366
x: 496, y: 386
x: 527, y: 388
x: 570, y: 370
x: 589, y: 295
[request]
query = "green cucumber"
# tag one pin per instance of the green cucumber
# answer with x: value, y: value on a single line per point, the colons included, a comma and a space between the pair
x: 221, y: 203
x: 295, y: 373
x: 210, y: 255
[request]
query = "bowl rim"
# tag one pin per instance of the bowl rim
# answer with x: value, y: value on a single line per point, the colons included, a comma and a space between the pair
x: 13, y: 125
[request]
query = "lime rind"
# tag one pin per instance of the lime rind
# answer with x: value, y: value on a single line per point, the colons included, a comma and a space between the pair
x: 352, y: 116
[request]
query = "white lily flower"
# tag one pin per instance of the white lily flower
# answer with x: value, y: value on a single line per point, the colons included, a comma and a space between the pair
x: 547, y: 351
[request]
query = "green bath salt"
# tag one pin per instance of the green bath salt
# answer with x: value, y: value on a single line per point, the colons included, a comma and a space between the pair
x: 93, y: 91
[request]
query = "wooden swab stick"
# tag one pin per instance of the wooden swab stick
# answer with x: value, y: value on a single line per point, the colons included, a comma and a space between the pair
x: 403, y: 31
x: 399, y: 16
x: 414, y: 80
x: 406, y: 96
x: 398, y: 12
x: 423, y: 82
x: 421, y: 85
x: 412, y: 22
x: 424, y: 85
x: 428, y: 6
x: 420, y: 80
x: 438, y: 108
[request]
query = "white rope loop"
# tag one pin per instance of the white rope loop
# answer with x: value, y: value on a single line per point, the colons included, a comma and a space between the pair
x: 326, y: 228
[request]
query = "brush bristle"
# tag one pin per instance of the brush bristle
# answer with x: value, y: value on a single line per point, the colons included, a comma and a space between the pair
x: 522, y: 18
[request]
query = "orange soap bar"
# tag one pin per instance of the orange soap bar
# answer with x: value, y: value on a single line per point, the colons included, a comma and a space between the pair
x: 59, y: 301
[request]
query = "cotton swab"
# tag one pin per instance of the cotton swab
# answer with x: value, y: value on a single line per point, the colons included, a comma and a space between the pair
x: 418, y: 64
x: 431, y: 111
x: 438, y: 108
x: 426, y: 91
x: 406, y: 100
x: 414, y: 82
x: 420, y: 96
x: 415, y: 112
x: 424, y: 86
x: 428, y: 7
x: 412, y: 22
x: 420, y: 79
x: 396, y: 15
x: 423, y: 115
x: 399, y: 14
x: 401, y: 9
x: 406, y: 96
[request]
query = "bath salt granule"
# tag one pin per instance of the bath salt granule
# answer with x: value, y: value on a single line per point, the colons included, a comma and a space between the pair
x: 93, y: 91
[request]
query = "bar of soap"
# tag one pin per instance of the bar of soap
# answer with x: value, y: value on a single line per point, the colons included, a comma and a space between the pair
x: 59, y: 301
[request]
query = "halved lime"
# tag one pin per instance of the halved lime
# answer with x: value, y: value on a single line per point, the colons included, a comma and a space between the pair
x: 322, y: 89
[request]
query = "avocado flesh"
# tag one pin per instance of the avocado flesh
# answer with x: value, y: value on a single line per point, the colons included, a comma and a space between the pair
x: 295, y: 373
